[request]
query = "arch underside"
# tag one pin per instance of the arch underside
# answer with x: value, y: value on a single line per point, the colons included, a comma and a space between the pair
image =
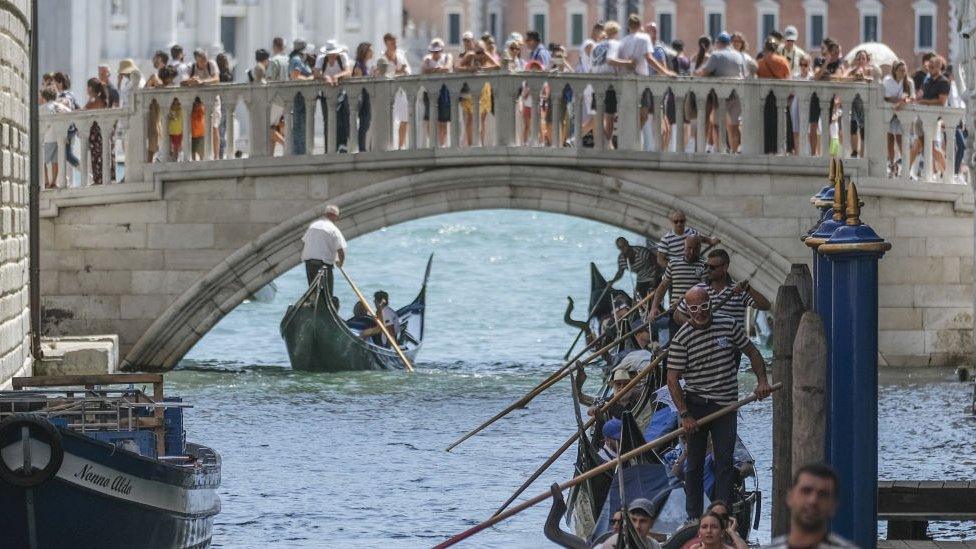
x: 627, y: 205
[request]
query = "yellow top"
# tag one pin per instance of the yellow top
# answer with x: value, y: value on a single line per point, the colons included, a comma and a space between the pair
x: 174, y: 119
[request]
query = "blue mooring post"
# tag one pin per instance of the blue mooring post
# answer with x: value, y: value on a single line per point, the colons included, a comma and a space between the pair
x: 852, y: 252
x: 832, y: 219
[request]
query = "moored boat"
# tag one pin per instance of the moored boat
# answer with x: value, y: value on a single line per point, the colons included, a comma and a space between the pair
x: 84, y: 464
x: 318, y: 339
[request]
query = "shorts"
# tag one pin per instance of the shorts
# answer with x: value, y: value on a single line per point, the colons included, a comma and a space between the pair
x: 215, y: 118
x: 444, y: 105
x: 610, y: 102
x: 485, y: 102
x: 834, y: 147
x: 647, y: 100
x: 894, y: 126
x: 814, y: 110
x: 795, y: 114
x: 733, y: 107
x: 176, y: 142
x: 466, y: 104
x: 50, y: 153
x: 670, y: 110
x: 196, y: 146
x: 690, y: 107
x: 426, y: 101
x: 401, y: 112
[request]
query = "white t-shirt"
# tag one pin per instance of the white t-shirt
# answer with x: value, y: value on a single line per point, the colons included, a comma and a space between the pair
x: 430, y: 63
x: 52, y: 107
x: 636, y: 46
x: 341, y: 64
x: 893, y: 89
x: 399, y: 63
x: 586, y: 59
x: 323, y: 240
x: 392, y: 323
x: 182, y: 71
x: 602, y: 52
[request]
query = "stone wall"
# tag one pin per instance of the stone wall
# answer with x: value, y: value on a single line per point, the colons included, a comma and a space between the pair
x: 14, y: 176
x: 159, y: 264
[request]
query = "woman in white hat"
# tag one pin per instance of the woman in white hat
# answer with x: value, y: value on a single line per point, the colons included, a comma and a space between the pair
x: 130, y: 80
x: 438, y: 61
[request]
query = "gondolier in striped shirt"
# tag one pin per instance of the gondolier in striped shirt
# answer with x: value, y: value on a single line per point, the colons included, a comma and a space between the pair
x: 639, y: 260
x: 681, y: 274
x: 671, y: 246
x: 702, y: 353
x: 720, y: 285
x: 324, y: 247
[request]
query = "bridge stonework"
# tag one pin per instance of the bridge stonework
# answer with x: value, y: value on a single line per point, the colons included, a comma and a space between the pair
x: 161, y: 258
x: 160, y: 263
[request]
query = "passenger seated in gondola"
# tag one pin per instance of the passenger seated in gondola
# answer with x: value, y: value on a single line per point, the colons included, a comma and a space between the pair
x: 387, y: 316
x: 611, y: 439
x: 721, y: 531
x: 620, y: 380
x: 335, y: 303
x: 641, y: 513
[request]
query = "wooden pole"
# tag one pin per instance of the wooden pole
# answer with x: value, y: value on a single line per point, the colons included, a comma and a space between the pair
x: 800, y: 277
x: 554, y: 377
x: 379, y: 323
x: 789, y: 308
x: 809, y: 391
x: 596, y: 471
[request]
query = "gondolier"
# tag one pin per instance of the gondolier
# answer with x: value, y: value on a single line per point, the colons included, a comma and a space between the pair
x: 703, y: 354
x: 681, y: 274
x: 672, y: 242
x: 719, y: 285
x: 639, y: 260
x: 324, y: 247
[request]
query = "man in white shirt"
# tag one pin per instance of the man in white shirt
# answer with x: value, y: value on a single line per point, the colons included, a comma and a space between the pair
x: 176, y: 61
x: 324, y: 247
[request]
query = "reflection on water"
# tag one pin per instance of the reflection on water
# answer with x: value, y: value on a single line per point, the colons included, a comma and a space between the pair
x: 357, y: 459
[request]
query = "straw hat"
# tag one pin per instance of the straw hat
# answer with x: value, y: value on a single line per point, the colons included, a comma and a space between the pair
x: 127, y: 66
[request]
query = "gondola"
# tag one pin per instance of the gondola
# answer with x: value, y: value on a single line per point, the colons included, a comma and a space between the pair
x: 591, y: 504
x: 318, y: 340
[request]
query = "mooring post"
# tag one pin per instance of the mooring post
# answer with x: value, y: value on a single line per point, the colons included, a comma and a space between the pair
x: 852, y: 403
x: 800, y: 277
x: 789, y: 309
x: 809, y: 386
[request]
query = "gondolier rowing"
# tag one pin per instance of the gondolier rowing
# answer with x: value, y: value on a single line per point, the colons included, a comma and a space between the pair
x: 324, y: 247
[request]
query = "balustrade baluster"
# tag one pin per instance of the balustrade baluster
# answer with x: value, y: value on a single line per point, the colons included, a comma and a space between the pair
x: 476, y: 89
x: 84, y: 156
x: 382, y: 110
x: 930, y: 126
x: 231, y: 129
x: 187, y: 104
x: 105, y: 128
x: 558, y: 108
x: 877, y: 115
x: 208, y: 130
x: 628, y: 114
x: 599, y: 129
x: 289, y: 134
x: 679, y: 122
x: 454, y: 135
x: 311, y: 106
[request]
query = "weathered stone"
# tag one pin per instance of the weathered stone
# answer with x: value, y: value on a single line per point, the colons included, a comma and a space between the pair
x: 181, y: 237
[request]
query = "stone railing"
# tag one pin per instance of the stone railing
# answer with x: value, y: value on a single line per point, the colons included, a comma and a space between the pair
x: 255, y: 115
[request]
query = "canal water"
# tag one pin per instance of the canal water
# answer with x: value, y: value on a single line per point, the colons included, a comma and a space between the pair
x: 358, y: 460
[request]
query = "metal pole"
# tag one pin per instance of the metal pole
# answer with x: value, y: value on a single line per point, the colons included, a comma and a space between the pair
x: 852, y: 419
x: 34, y: 190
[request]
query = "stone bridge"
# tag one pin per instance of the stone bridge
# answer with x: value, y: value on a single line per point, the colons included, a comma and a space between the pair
x: 160, y: 258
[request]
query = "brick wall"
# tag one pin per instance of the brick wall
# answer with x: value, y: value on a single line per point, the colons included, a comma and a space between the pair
x: 14, y: 175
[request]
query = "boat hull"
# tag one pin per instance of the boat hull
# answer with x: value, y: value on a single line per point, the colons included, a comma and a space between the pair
x: 107, y: 497
x: 316, y: 343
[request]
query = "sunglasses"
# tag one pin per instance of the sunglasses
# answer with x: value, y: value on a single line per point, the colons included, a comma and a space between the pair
x: 699, y: 308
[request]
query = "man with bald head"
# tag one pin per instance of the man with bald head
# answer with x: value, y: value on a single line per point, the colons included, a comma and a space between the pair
x: 703, y: 353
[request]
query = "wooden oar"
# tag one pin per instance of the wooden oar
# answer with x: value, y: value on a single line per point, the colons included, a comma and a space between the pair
x: 379, y: 323
x: 553, y: 378
x: 597, y: 470
x: 569, y: 442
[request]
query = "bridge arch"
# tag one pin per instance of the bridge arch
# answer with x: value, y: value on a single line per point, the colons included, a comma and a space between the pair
x: 625, y: 204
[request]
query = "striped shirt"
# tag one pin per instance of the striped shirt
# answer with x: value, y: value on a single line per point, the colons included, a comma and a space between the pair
x: 683, y: 276
x: 832, y: 540
x: 643, y: 264
x: 672, y: 245
x: 734, y: 307
x: 706, y: 358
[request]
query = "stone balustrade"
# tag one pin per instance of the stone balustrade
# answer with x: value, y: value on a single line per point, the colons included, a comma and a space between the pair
x: 250, y: 111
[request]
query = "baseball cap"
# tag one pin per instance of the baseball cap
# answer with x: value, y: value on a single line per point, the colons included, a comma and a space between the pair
x: 468, y: 35
x: 724, y: 38
x: 642, y: 504
x: 612, y: 429
x: 621, y: 374
x: 789, y: 33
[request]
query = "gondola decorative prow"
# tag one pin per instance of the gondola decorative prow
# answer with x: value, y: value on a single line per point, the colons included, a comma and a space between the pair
x: 552, y: 530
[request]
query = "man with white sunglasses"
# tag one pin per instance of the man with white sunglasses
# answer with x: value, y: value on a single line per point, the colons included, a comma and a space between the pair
x: 703, y: 354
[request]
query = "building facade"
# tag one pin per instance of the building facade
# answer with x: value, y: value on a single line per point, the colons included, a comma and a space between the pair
x: 909, y: 27
x: 14, y: 175
x: 77, y: 35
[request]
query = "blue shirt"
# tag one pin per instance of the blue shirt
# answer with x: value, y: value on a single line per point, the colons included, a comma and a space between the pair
x: 541, y: 54
x: 297, y: 63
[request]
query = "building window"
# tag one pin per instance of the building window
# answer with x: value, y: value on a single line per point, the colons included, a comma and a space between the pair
x: 869, y: 28
x: 870, y: 20
x: 539, y: 18
x: 925, y: 31
x: 768, y: 21
x: 454, y: 28
x: 576, y: 29
x: 816, y: 11
x: 714, y: 25
x: 665, y: 24
x: 493, y: 25
x: 539, y: 25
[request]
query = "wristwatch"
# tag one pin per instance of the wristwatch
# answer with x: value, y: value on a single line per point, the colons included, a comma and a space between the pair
x: 685, y: 414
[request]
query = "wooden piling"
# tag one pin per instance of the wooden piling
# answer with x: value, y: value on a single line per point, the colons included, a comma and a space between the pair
x: 800, y: 277
x: 809, y: 391
x: 789, y: 309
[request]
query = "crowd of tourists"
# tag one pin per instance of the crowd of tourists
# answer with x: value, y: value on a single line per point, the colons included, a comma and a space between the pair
x: 608, y: 50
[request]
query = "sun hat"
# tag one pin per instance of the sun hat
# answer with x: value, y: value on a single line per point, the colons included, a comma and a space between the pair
x: 790, y: 33
x: 331, y: 47
x: 621, y: 374
x: 436, y: 45
x: 126, y: 66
